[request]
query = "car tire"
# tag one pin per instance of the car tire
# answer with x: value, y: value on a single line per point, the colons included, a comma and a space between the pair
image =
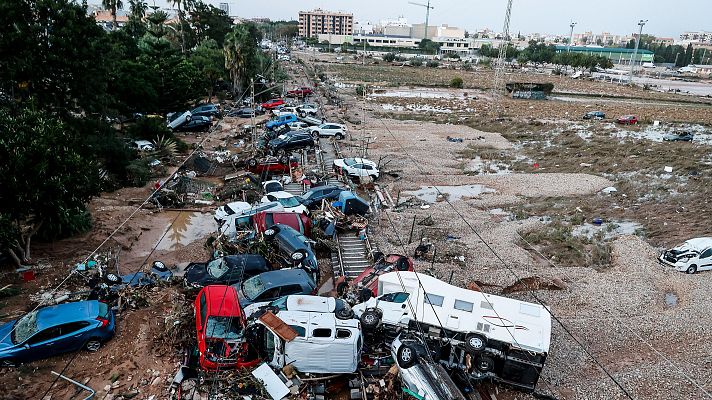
x: 342, y: 288
x: 93, y: 345
x: 475, y: 343
x: 370, y: 319
x: 188, y: 118
x: 7, y: 363
x: 281, y: 152
x: 284, y: 160
x: 271, y: 232
x: 344, y: 314
x: 298, y: 256
x: 339, y: 136
x: 252, y: 162
x: 364, y: 295
x: 112, y: 278
x: 691, y: 269
x: 302, y: 114
x: 402, y: 264
x: 406, y: 356
x: 484, y: 364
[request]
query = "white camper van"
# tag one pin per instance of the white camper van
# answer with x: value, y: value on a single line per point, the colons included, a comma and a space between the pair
x: 499, y: 336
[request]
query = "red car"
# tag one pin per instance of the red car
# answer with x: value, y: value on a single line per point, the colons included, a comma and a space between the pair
x: 220, y: 323
x: 297, y: 221
x: 300, y: 92
x: 366, y: 283
x: 627, y: 120
x: 270, y: 104
x: 277, y: 165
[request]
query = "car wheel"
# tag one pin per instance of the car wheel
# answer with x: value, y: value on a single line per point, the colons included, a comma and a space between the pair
x: 406, y: 356
x: 485, y: 364
x: 345, y: 314
x: 298, y: 256
x: 475, y: 343
x: 271, y: 232
x: 7, y: 363
x: 692, y: 269
x: 281, y: 152
x: 112, y: 278
x: 93, y: 345
x: 370, y: 319
x: 339, y: 136
x: 378, y: 256
x: 188, y: 118
x: 284, y: 160
x: 302, y: 114
x: 365, y: 295
x: 402, y: 264
x: 252, y: 162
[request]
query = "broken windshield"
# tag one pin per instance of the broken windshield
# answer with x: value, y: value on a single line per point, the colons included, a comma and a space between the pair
x: 253, y: 287
x: 289, y: 202
x: 228, y: 328
x: 217, y: 267
x: 26, y: 327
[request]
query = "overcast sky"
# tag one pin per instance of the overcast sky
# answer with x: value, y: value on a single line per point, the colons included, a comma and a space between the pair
x: 666, y: 18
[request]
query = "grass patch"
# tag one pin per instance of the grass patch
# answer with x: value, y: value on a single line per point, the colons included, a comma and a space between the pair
x: 557, y: 242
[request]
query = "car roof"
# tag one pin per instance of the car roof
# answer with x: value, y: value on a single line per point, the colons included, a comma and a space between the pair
x: 280, y: 194
x: 699, y: 243
x: 222, y: 300
x: 48, y: 317
x: 361, y: 161
x: 303, y: 302
x: 320, y: 188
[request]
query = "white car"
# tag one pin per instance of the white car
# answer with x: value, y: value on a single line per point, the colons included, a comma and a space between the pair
x: 329, y: 129
x: 356, y: 167
x: 307, y: 109
x: 304, y: 302
x: 237, y: 207
x: 142, y: 145
x: 289, y: 201
x: 284, y: 110
x: 272, y: 186
x: 297, y: 126
x: 177, y: 119
x: 692, y: 256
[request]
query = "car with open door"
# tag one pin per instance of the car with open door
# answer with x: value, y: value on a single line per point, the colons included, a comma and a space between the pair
x: 220, y: 324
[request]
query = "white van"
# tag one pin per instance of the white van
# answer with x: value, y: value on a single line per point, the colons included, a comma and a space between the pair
x: 312, y: 342
x: 506, y: 338
x: 692, y: 256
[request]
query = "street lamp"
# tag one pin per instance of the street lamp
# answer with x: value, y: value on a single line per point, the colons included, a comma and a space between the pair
x: 571, y: 36
x: 641, y: 23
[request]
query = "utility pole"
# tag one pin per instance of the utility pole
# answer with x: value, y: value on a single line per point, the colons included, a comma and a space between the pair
x: 499, y: 66
x: 571, y: 36
x: 254, y: 110
x: 641, y: 23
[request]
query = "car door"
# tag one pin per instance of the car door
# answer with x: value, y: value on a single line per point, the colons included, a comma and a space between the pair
x: 42, y: 344
x: 705, y: 260
x: 73, y: 336
x: 394, y: 306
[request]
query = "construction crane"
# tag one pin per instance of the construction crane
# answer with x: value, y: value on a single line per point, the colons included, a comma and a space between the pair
x: 428, y: 7
x: 499, y: 67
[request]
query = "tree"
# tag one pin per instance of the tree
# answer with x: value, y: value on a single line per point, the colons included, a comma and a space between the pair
x: 209, y: 60
x: 210, y: 23
x: 45, y: 179
x: 456, y: 83
x: 112, y: 5
x: 389, y: 57
x: 136, y: 27
x: 240, y: 52
x: 428, y: 46
x: 187, y: 4
x: 688, y: 55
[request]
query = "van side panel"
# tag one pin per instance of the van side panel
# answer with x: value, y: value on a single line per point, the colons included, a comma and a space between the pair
x: 322, y: 357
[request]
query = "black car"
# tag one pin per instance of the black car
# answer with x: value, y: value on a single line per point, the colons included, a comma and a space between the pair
x: 293, y: 249
x: 244, y: 112
x: 207, y: 110
x: 272, y: 285
x: 594, y: 115
x: 196, y: 124
x: 291, y: 141
x: 312, y: 198
x: 225, y: 270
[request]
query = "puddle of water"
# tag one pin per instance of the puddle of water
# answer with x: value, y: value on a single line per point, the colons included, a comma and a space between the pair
x: 609, y: 230
x: 656, y: 133
x: 484, y: 167
x: 670, y: 299
x: 430, y: 195
x: 187, y: 228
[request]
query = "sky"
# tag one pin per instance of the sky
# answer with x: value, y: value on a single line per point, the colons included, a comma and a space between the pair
x: 666, y: 18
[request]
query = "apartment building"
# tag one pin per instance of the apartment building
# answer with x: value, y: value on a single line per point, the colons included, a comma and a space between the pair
x: 313, y: 23
x: 701, y: 37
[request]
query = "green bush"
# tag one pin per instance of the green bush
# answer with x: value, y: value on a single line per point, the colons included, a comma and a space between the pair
x: 389, y: 57
x: 416, y: 62
x: 432, y: 64
x: 138, y: 172
x: 456, y: 83
x: 360, y: 90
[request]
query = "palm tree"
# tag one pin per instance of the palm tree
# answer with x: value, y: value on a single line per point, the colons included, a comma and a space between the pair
x: 235, y: 56
x: 186, y: 5
x: 113, y: 5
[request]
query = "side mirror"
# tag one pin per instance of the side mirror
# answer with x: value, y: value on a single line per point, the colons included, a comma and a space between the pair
x: 26, y: 346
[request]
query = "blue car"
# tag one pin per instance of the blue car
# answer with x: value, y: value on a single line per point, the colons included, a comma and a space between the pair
x: 53, y: 330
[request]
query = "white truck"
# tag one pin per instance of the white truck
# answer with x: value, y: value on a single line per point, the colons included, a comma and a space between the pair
x: 489, y: 336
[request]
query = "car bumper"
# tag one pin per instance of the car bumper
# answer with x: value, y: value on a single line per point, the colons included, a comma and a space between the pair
x: 676, y: 266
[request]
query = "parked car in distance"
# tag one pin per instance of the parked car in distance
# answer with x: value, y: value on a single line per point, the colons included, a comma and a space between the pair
x: 142, y: 145
x: 225, y: 270
x: 627, y: 120
x: 299, y: 222
x: 220, y: 325
x: 293, y: 249
x: 53, y: 330
x: 599, y: 115
x: 300, y: 92
x: 291, y: 141
x: 207, y: 110
x: 338, y: 131
x: 297, y: 126
x: 356, y: 167
x: 320, y: 342
x: 307, y: 109
x: 177, y: 119
x: 313, y: 197
x: 270, y: 104
x: 269, y: 286
x: 419, y: 371
x: 196, y: 124
x: 271, y: 165
x: 289, y: 201
x: 679, y: 137
x: 691, y: 256
x: 244, y: 112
